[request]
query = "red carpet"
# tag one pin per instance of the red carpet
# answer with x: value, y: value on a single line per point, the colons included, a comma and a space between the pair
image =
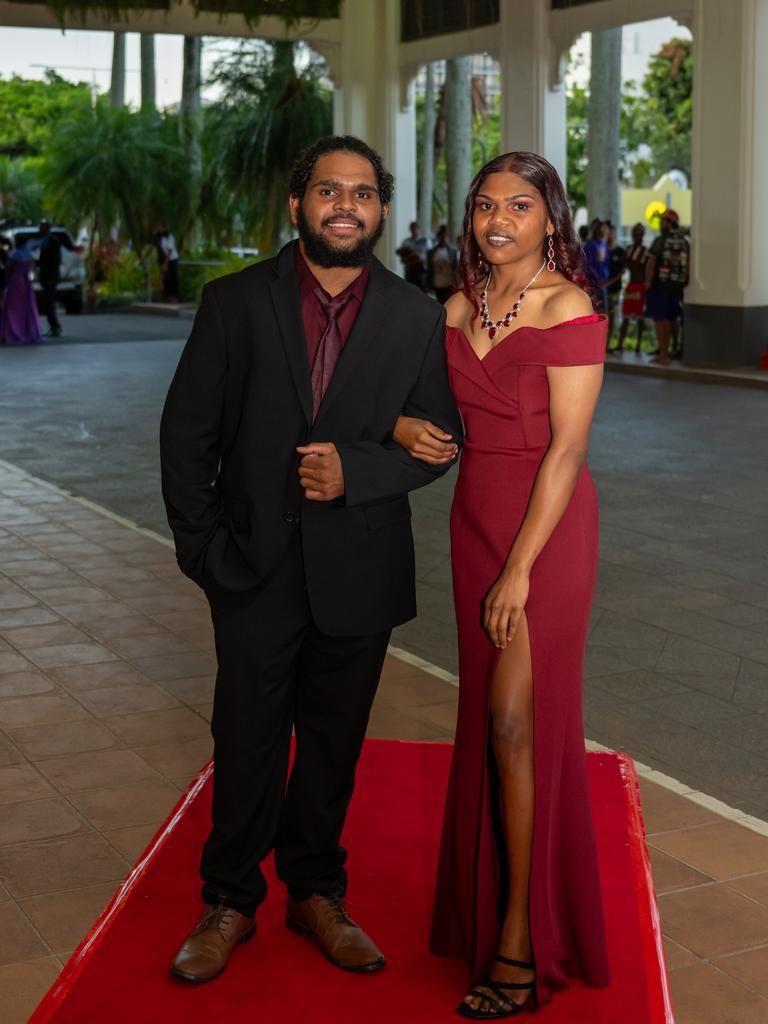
x: 119, y: 973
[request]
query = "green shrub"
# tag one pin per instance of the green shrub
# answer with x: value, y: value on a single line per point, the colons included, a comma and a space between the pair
x: 192, y: 276
x: 124, y: 275
x: 124, y: 280
x: 114, y: 300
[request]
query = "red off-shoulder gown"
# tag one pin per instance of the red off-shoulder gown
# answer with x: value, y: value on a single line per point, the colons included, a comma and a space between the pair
x: 504, y: 399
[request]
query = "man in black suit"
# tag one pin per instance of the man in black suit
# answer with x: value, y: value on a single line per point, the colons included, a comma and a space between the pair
x: 288, y: 503
x: 48, y: 272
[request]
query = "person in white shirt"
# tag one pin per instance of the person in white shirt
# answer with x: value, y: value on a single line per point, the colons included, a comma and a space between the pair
x: 168, y: 255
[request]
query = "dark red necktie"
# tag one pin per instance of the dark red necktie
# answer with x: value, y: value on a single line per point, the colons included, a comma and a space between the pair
x: 329, y: 347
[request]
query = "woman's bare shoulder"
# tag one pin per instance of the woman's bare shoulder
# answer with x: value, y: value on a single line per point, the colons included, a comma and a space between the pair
x: 566, y: 301
x: 458, y: 310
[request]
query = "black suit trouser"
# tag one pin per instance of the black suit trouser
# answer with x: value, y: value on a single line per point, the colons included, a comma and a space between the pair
x: 48, y: 295
x: 278, y: 672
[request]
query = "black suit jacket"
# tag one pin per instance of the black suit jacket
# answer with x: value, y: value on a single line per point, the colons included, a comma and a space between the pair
x: 241, y: 402
x: 49, y: 262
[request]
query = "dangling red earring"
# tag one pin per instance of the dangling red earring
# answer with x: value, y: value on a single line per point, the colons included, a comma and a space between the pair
x: 550, y: 255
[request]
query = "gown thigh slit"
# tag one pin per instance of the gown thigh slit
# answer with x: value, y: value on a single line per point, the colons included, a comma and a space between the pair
x: 510, y: 709
x: 504, y: 400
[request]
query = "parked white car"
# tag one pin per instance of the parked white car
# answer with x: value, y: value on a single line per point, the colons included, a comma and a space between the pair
x: 69, y: 291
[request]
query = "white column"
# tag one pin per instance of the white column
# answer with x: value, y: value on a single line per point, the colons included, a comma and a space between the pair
x: 533, y: 95
x: 369, y: 103
x: 726, y: 315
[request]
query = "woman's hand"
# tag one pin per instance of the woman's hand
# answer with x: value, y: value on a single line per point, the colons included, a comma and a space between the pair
x: 424, y: 441
x: 504, y: 604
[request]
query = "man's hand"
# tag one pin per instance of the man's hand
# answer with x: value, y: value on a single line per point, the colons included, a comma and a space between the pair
x: 320, y: 472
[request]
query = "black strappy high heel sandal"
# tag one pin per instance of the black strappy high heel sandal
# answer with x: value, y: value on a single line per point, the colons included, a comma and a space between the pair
x: 499, y: 988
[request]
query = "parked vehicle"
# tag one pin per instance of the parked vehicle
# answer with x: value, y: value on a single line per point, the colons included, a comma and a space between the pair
x: 71, y: 286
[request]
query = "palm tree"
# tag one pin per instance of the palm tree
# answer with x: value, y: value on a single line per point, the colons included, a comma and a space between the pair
x: 458, y: 138
x: 190, y: 100
x: 190, y: 126
x: 110, y: 166
x: 271, y: 109
x: 426, y: 191
x: 604, y: 117
x: 148, y: 90
x: 117, y: 86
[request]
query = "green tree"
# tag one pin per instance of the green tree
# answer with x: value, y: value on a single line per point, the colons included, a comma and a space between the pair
x: 109, y: 166
x: 274, y: 102
x: 31, y: 111
x: 655, y: 123
x: 577, y: 129
x: 664, y: 117
x: 21, y: 198
x: 635, y: 170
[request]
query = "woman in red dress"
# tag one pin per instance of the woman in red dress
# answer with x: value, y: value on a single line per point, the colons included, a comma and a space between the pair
x: 518, y: 892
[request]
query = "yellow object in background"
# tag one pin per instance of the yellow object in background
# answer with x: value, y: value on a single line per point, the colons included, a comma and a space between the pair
x: 653, y: 212
x: 666, y: 193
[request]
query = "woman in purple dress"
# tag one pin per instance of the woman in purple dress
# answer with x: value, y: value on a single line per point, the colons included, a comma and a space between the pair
x: 19, y: 320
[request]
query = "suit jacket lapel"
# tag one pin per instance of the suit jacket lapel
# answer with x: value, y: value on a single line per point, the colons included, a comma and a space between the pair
x: 287, y: 303
x: 369, y: 321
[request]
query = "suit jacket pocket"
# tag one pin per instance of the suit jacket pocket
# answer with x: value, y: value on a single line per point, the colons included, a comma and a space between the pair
x: 385, y: 513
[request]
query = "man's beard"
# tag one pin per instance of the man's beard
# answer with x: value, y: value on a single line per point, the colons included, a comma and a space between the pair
x: 318, y: 250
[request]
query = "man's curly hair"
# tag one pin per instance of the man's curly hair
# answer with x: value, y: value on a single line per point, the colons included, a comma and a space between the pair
x: 306, y: 160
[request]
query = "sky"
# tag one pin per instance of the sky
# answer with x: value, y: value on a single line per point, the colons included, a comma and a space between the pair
x: 86, y: 56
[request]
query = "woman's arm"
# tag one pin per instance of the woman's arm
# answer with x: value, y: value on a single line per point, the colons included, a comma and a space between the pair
x: 424, y: 441
x: 573, y: 396
x: 420, y: 438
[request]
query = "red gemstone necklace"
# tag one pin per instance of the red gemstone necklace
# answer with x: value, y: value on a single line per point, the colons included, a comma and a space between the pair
x: 492, y: 326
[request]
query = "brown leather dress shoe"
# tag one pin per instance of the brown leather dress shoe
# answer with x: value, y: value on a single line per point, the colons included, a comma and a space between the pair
x: 344, y: 943
x: 206, y: 952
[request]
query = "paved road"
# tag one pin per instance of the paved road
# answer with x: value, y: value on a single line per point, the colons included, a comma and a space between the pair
x: 677, y: 666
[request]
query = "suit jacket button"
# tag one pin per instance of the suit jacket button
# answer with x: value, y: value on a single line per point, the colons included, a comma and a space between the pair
x: 291, y: 517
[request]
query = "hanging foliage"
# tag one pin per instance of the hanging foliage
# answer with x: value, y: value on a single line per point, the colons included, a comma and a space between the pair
x: 290, y: 11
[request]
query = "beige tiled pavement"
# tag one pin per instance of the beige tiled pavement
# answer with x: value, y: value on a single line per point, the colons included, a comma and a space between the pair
x: 106, y: 679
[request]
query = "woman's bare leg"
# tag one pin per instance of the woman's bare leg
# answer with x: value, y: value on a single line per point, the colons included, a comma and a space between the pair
x: 511, y: 713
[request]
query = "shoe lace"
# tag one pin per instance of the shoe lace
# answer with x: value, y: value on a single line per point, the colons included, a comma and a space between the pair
x: 336, y: 908
x: 217, y: 918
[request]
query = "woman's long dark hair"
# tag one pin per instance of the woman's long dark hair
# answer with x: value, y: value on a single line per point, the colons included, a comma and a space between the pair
x: 540, y: 173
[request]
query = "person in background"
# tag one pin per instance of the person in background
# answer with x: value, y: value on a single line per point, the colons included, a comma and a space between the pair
x: 49, y: 273
x: 666, y: 276
x: 616, y: 264
x: 442, y: 261
x: 168, y: 256
x: 633, y: 305
x: 584, y: 234
x: 5, y: 252
x: 413, y: 253
x: 19, y: 320
x: 598, y: 266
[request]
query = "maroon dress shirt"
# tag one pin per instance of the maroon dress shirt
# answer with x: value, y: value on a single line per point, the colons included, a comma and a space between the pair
x: 315, y: 319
